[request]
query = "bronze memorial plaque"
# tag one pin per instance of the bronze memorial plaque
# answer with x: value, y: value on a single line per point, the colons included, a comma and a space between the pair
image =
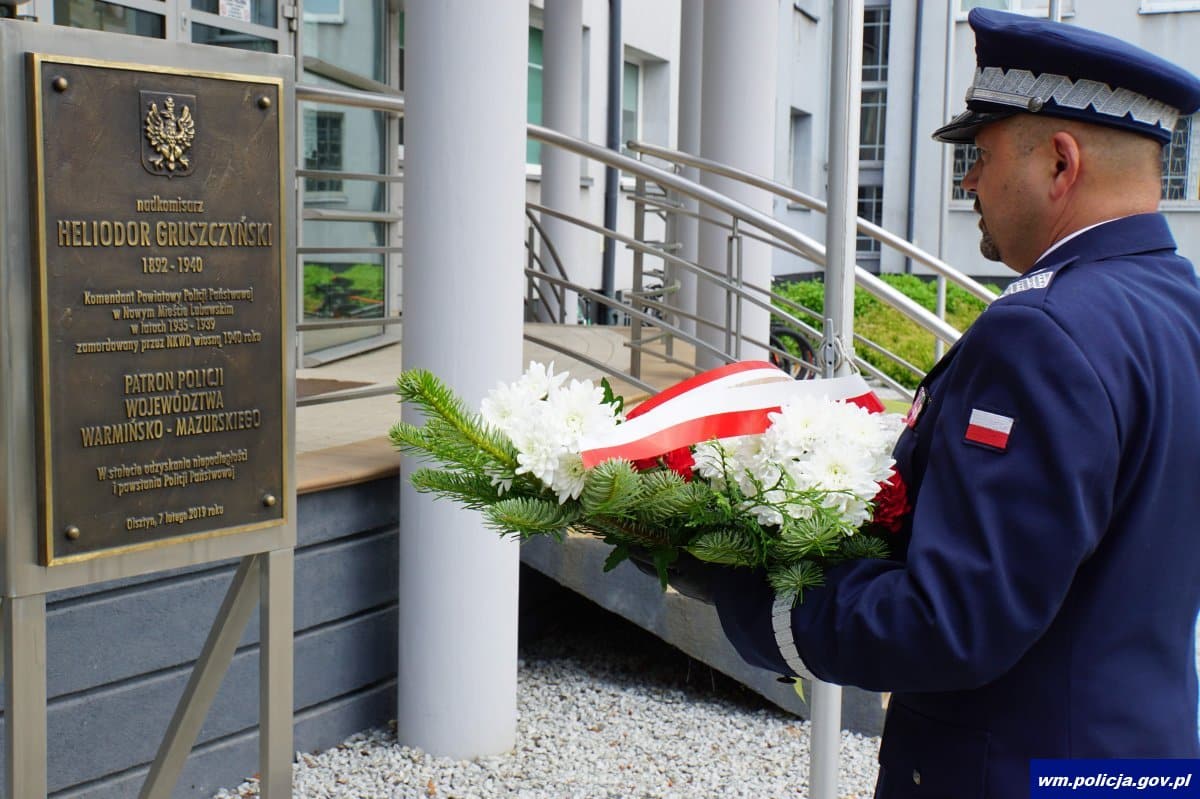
x: 160, y: 269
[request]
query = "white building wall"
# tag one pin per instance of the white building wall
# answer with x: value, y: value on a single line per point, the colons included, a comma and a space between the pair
x: 801, y: 151
x: 651, y: 36
x: 1170, y: 35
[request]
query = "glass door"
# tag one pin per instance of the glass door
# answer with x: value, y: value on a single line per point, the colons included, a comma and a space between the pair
x: 348, y: 191
x: 261, y: 25
x: 349, y: 177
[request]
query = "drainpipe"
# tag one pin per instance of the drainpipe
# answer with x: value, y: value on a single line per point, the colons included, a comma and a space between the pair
x: 613, y: 142
x: 914, y: 131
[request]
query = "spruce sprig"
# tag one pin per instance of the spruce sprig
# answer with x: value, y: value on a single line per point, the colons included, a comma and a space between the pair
x: 862, y: 546
x: 818, y: 535
x: 527, y: 517
x: 611, y: 489
x: 795, y: 578
x: 728, y: 546
x: 451, y: 432
x: 665, y: 495
x: 474, y: 491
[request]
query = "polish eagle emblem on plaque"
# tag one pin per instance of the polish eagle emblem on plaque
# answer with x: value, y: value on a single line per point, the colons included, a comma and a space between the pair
x: 170, y: 130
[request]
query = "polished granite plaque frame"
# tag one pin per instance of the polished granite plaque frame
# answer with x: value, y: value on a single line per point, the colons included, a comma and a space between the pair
x: 159, y: 236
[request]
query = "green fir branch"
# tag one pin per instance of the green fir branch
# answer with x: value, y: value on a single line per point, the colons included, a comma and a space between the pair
x: 528, y: 517
x: 793, y: 580
x: 618, y: 531
x: 819, y: 535
x: 611, y: 489
x: 475, y: 491
x: 665, y: 495
x: 448, y: 417
x: 730, y: 547
x: 862, y: 546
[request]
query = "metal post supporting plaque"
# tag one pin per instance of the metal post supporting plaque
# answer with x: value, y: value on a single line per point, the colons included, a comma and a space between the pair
x: 146, y: 356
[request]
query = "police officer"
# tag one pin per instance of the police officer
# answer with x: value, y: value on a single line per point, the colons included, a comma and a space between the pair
x: 1046, y: 603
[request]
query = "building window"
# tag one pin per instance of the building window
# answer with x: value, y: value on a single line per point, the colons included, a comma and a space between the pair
x: 630, y: 105
x: 326, y: 11
x: 800, y: 153
x: 323, y: 136
x: 1175, y: 161
x: 872, y: 125
x: 1167, y: 6
x: 872, y: 120
x: 876, y: 22
x: 964, y: 159
x: 1038, y: 8
x: 533, y: 149
x: 870, y: 208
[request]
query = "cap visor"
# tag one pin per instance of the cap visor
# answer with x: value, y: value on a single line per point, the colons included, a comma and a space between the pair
x: 962, y: 129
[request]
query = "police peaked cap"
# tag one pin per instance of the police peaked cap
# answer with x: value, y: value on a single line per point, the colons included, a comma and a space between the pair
x: 1030, y: 65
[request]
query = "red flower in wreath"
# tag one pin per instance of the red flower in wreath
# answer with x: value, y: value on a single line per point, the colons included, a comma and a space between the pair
x: 679, y: 461
x: 891, y: 503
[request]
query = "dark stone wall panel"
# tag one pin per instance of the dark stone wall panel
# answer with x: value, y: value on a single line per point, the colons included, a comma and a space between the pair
x: 229, y: 761
x: 119, y: 655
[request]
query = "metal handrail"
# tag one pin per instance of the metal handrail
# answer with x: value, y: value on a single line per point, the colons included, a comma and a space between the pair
x: 560, y: 294
x: 717, y: 278
x: 784, y: 309
x: 865, y: 227
x: 813, y: 250
x: 308, y: 92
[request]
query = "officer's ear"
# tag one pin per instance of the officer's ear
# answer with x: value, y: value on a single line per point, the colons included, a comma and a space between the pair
x: 1064, y: 148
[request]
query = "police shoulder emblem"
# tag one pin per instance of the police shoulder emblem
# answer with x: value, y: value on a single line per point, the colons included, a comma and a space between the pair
x: 170, y: 130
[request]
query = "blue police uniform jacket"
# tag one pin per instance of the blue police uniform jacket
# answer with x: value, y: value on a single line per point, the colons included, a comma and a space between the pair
x: 1046, y: 603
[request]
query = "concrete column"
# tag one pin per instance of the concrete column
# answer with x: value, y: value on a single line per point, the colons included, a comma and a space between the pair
x: 687, y: 229
x: 562, y: 100
x: 463, y: 286
x: 737, y: 127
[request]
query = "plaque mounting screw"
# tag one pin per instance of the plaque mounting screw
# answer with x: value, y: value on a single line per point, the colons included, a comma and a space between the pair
x: 269, y: 500
x: 264, y: 102
x: 60, y: 84
x: 72, y: 532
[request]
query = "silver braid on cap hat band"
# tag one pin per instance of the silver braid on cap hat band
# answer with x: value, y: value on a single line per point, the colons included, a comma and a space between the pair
x: 1023, y: 89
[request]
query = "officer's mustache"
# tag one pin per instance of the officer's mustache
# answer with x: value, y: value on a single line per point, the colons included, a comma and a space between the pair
x: 987, y: 245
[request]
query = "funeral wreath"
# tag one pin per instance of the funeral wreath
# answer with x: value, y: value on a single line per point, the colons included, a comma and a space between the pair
x: 738, y: 466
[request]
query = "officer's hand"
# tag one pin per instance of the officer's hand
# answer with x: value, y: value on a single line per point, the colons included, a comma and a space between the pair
x: 688, y: 575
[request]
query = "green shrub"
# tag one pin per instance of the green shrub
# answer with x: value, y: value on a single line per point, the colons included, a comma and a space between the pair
x: 886, y: 326
x: 365, y: 282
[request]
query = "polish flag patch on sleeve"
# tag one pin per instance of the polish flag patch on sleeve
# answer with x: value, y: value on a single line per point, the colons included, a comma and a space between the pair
x: 989, y: 429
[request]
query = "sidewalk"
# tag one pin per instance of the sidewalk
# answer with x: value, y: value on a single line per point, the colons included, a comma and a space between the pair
x: 345, y: 442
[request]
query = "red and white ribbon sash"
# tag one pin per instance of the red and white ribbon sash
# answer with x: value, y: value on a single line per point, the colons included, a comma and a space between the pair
x: 731, y: 400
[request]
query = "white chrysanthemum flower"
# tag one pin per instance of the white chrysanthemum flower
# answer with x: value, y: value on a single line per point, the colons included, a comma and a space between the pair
x: 578, y: 408
x: 546, y: 419
x: 709, y: 458
x: 505, y: 407
x: 539, y: 380
x: 568, y: 477
x: 538, y: 457
x: 766, y: 515
x: 798, y: 427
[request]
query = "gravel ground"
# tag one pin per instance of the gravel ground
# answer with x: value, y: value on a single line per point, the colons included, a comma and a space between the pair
x: 605, y: 711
